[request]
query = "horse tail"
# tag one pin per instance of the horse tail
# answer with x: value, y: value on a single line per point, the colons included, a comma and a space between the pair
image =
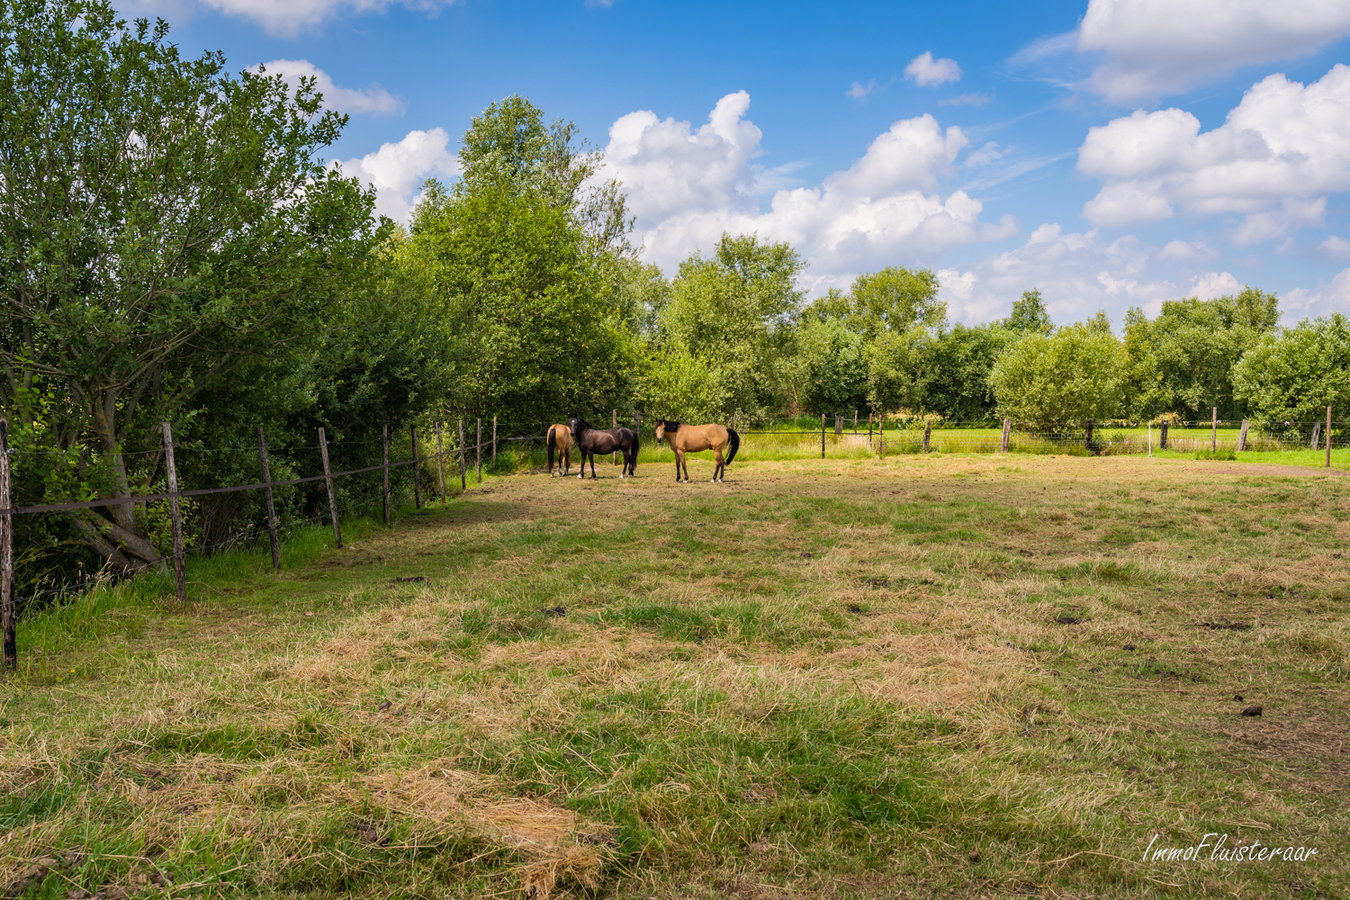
x: 735, y: 440
x: 636, y: 445
x: 552, y: 445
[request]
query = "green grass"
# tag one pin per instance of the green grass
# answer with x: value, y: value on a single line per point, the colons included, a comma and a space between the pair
x: 918, y: 676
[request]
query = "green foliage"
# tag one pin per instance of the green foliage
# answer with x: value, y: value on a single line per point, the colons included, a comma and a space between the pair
x: 1029, y: 315
x: 892, y: 300
x: 835, y: 362
x: 897, y: 369
x: 168, y: 226
x: 734, y: 312
x: 958, y: 363
x: 1295, y: 374
x: 679, y: 386
x: 1182, y: 361
x: 1060, y: 380
x: 524, y: 256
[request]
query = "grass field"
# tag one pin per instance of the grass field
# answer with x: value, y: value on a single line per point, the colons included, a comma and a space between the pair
x: 940, y: 676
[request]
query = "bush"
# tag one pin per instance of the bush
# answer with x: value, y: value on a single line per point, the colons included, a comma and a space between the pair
x: 1061, y: 380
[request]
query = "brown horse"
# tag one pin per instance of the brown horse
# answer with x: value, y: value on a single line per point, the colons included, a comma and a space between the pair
x: 560, y: 439
x: 591, y: 440
x: 695, y: 439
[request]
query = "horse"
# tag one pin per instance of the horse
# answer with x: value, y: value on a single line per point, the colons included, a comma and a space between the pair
x: 560, y: 439
x: 591, y: 440
x: 695, y: 439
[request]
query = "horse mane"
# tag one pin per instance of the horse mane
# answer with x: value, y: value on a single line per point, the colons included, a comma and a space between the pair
x: 673, y: 426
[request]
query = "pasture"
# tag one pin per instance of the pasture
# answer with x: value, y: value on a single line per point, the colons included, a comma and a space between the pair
x: 918, y: 676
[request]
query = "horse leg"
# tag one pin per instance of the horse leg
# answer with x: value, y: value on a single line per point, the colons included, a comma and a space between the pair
x: 677, y: 467
x: 720, y: 467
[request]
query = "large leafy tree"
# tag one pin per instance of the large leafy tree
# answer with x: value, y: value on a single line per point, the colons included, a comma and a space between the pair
x: 1060, y: 380
x: 533, y: 263
x: 1182, y: 361
x: 734, y: 312
x: 1295, y: 374
x: 166, y: 224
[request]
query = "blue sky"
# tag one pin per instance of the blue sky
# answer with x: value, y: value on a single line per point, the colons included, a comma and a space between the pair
x: 1112, y: 154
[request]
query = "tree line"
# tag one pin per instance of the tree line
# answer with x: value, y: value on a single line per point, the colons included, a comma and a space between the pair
x: 176, y: 247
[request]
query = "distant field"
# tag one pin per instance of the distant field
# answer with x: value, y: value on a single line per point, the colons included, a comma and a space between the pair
x: 921, y: 676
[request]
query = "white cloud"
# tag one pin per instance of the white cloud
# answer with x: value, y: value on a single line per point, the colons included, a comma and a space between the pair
x: 1319, y: 301
x: 372, y: 100
x: 927, y: 72
x: 1080, y: 273
x: 686, y: 186
x: 1336, y: 246
x: 1282, y: 150
x: 859, y: 91
x: 398, y: 170
x: 1150, y: 48
x: 966, y: 100
x: 285, y: 18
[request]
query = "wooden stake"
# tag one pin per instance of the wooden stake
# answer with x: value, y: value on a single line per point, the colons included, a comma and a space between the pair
x: 881, y: 434
x: 1328, y: 437
x: 271, y: 509
x: 384, y: 447
x: 1162, y: 434
x: 822, y: 435
x: 440, y: 461
x: 1214, y: 431
x: 1242, y: 436
x: 175, y: 518
x: 463, y: 483
x: 1316, y: 436
x: 478, y: 453
x: 927, y: 435
x: 417, y: 471
x: 1007, y: 433
x: 855, y: 422
x: 494, y: 443
x: 328, y: 482
x: 1087, y: 436
x: 8, y: 610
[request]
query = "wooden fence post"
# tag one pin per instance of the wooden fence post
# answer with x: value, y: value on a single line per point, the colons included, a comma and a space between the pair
x: 1087, y: 436
x: 271, y: 509
x: 384, y: 446
x: 927, y: 435
x: 494, y: 443
x: 1007, y: 433
x: 1316, y: 436
x: 440, y: 461
x: 855, y: 422
x: 1162, y: 434
x: 1328, y: 437
x: 175, y: 517
x: 478, y: 452
x: 8, y: 611
x: 417, y: 470
x: 1214, y: 432
x: 838, y: 424
x: 463, y: 483
x: 328, y: 481
x: 1242, y: 436
x: 881, y: 434
x: 822, y: 435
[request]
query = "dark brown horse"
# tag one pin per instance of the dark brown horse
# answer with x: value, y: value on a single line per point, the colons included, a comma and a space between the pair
x: 560, y: 439
x: 695, y: 439
x: 591, y: 440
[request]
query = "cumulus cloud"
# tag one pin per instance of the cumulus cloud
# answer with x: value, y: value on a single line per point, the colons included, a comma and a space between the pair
x: 1327, y: 297
x: 926, y: 72
x: 859, y: 90
x: 1080, y: 273
x: 371, y: 100
x: 1336, y: 246
x: 1280, y: 153
x: 1151, y: 48
x: 686, y: 186
x: 285, y: 18
x: 398, y: 170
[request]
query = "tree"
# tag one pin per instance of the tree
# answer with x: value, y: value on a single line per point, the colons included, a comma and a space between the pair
x: 835, y: 367
x: 1029, y: 315
x: 536, y: 271
x: 166, y: 224
x: 1294, y: 375
x: 1060, y: 380
x: 1182, y: 361
x: 890, y: 300
x: 958, y: 362
x: 735, y: 312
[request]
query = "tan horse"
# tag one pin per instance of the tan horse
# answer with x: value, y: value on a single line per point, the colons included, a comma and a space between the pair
x: 695, y: 439
x: 560, y: 439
